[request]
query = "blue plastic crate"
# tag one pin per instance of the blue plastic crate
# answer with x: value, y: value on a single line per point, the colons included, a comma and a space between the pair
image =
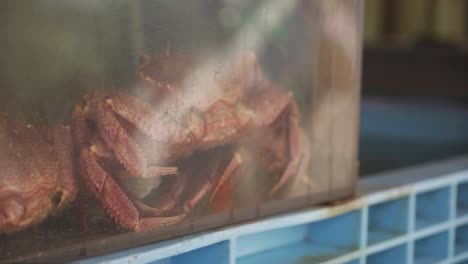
x: 307, y: 243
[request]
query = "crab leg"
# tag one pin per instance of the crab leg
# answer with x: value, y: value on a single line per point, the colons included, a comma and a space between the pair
x: 80, y: 129
x: 172, y: 131
x: 231, y: 168
x: 105, y: 189
x: 172, y: 198
x: 265, y: 114
x: 115, y: 201
x: 303, y: 167
x: 160, y: 127
x: 168, y: 201
x: 156, y: 222
x: 297, y: 149
x: 125, y: 149
x: 212, y: 181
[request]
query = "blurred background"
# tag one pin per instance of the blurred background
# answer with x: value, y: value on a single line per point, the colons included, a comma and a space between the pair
x: 415, y: 83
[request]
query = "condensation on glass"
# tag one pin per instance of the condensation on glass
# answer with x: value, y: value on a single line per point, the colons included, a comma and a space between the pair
x: 128, y: 122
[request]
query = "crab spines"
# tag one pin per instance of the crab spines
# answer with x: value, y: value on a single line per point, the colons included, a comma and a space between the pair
x: 119, y: 206
x: 118, y: 141
x: 107, y: 191
x: 92, y: 172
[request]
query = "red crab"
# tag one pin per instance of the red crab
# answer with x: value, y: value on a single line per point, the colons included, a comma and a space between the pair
x: 119, y: 130
x: 268, y: 120
x: 36, y: 173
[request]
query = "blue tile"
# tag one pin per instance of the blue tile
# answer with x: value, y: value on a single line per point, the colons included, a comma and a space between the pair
x: 432, y: 249
x: 461, y: 239
x: 462, y: 199
x: 390, y: 256
x: 432, y: 207
x: 388, y: 220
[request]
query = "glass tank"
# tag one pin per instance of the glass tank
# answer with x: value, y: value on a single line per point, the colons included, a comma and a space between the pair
x: 123, y: 123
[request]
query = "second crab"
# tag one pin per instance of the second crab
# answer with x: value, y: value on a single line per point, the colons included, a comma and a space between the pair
x: 120, y: 136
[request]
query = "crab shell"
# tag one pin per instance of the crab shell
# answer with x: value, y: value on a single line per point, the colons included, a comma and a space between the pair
x: 36, y: 176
